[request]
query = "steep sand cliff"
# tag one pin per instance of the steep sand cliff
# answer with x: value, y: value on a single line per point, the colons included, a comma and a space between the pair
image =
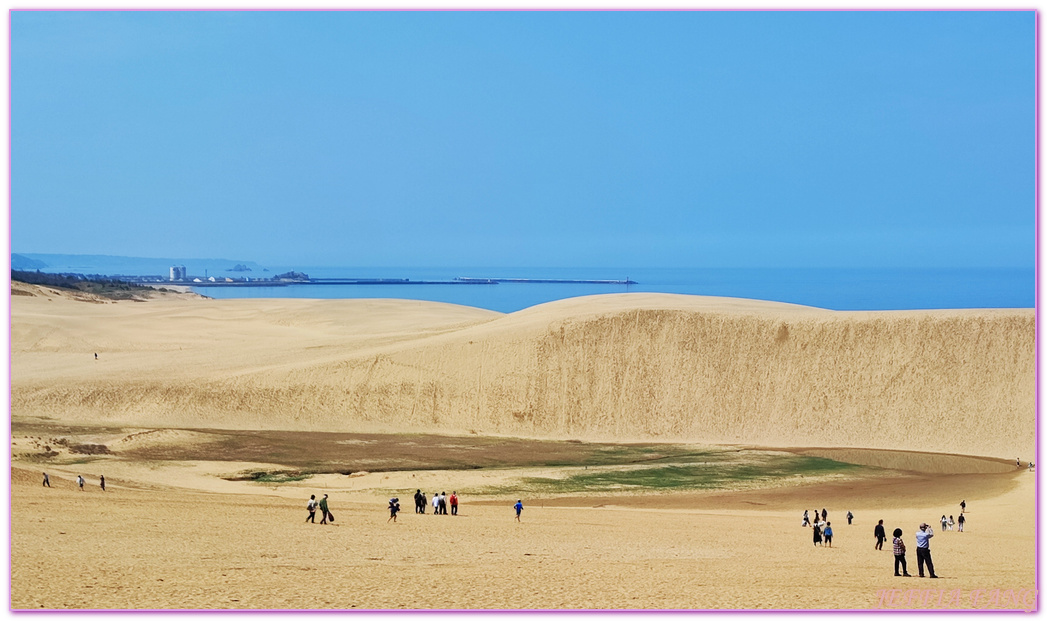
x: 626, y: 367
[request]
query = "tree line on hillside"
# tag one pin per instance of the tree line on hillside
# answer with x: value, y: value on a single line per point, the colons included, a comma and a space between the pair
x: 91, y: 283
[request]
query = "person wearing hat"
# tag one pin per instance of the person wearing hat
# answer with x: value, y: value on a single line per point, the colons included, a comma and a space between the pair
x: 923, y: 549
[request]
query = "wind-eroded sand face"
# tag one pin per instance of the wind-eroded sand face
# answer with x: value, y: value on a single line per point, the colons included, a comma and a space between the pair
x: 620, y: 367
x: 175, y: 534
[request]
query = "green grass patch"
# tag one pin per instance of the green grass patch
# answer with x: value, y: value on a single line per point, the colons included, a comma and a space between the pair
x: 276, y: 476
x: 707, y: 471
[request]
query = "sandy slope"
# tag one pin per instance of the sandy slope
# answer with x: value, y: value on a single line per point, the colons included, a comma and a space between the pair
x: 159, y: 547
x: 174, y: 534
x: 628, y: 366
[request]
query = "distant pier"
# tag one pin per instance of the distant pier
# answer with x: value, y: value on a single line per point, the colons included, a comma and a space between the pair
x: 566, y: 281
x: 461, y: 280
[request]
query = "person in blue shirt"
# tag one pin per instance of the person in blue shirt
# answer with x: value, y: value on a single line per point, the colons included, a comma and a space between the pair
x: 829, y: 534
x: 923, y: 549
x: 519, y: 507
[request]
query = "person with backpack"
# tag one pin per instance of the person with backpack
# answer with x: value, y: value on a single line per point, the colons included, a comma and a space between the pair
x: 311, y: 506
x: 323, y: 507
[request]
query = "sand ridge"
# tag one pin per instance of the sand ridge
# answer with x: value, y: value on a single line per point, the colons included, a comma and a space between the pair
x: 180, y: 527
x: 627, y: 366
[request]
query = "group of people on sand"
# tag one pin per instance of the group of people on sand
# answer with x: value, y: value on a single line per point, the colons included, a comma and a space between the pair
x: 79, y: 481
x: 440, y: 503
x: 313, y: 505
x: 923, y: 543
x: 923, y: 549
x: 949, y: 522
x: 823, y: 532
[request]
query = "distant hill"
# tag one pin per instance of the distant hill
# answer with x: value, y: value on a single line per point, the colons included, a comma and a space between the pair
x: 22, y: 262
x: 126, y: 266
x: 106, y: 288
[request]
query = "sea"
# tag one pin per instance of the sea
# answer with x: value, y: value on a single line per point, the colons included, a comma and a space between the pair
x: 835, y: 289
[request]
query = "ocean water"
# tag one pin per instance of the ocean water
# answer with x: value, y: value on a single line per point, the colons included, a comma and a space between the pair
x: 836, y: 289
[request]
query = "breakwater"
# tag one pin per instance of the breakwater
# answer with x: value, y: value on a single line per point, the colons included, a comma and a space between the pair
x: 394, y: 281
x: 566, y: 281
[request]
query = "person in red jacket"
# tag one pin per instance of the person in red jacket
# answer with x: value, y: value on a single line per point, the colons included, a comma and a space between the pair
x: 454, y: 503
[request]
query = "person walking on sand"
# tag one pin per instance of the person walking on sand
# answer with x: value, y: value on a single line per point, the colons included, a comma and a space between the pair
x: 311, y: 506
x: 519, y: 507
x: 454, y: 503
x: 806, y: 519
x: 951, y: 522
x: 394, y: 508
x: 899, y: 554
x: 829, y: 534
x: 817, y: 533
x: 850, y: 516
x: 880, y: 535
x: 443, y: 503
x: 825, y: 514
x: 418, y: 502
x: 425, y: 503
x: 963, y: 506
x: 47, y: 481
x: 323, y: 508
x: 436, y: 503
x: 945, y: 522
x: 102, y: 481
x: 960, y: 522
x: 80, y: 482
x: 923, y: 550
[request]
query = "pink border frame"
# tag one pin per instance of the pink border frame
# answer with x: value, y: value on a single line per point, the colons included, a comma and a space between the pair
x: 6, y: 261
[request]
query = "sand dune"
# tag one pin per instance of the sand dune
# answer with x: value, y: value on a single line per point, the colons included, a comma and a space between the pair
x: 630, y: 366
x: 179, y: 528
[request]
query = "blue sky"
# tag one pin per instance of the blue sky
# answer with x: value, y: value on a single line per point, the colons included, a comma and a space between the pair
x: 720, y: 139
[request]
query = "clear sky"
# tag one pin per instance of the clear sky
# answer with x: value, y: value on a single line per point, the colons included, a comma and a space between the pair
x: 836, y: 139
